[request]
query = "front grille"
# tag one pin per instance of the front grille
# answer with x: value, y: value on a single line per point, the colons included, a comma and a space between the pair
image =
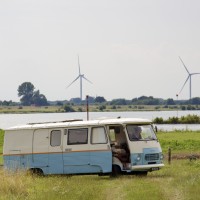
x: 154, y: 156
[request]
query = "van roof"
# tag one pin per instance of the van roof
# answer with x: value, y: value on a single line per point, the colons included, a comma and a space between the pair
x: 78, y: 122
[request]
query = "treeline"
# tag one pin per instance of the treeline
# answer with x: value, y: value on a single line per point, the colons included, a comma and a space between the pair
x: 38, y: 99
x: 8, y: 103
x: 143, y: 100
x: 29, y: 96
x: 189, y: 119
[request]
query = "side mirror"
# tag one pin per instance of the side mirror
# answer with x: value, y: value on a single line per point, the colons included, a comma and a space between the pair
x: 156, y: 129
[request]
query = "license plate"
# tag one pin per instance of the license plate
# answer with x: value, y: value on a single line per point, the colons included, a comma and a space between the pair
x: 154, y: 168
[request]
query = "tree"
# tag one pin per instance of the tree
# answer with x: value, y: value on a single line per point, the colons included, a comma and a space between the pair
x: 29, y: 96
x: 170, y: 102
x: 75, y: 100
x: 26, y: 91
x: 118, y: 102
x: 99, y: 99
x: 39, y: 99
x: 195, y: 101
x: 90, y: 99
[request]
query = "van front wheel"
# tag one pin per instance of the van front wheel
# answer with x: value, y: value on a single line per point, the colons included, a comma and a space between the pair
x: 116, y: 171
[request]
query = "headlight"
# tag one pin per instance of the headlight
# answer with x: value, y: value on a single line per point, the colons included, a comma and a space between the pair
x: 138, y: 157
x: 161, y: 157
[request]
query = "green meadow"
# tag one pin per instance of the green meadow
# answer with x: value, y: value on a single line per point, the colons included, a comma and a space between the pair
x: 178, y: 181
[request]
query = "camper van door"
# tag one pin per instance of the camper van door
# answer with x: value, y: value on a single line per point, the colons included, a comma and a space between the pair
x: 47, y: 151
x: 76, y: 151
x: 41, y: 149
x: 55, y: 151
x: 100, y: 150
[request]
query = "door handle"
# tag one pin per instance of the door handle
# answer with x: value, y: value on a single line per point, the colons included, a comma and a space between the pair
x: 67, y: 150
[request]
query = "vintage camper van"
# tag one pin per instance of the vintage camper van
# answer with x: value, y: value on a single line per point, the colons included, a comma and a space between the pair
x: 104, y: 146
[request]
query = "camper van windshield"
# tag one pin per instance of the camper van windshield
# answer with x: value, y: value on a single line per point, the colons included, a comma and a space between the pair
x: 140, y: 132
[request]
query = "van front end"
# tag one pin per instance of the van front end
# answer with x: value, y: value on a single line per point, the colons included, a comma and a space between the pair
x: 150, y: 159
x: 145, y: 150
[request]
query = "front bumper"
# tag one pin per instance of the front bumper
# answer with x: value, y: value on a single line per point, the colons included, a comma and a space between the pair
x: 146, y: 167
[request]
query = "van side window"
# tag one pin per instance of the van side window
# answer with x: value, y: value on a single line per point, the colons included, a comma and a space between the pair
x: 77, y: 136
x: 55, y: 138
x: 98, y: 135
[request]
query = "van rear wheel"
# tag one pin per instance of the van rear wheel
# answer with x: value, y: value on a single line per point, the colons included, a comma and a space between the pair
x: 36, y: 171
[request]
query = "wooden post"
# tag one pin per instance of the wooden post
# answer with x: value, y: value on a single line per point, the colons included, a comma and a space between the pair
x: 169, y: 155
x: 87, y: 108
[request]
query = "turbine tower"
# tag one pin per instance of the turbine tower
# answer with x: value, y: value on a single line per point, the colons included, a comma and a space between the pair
x: 80, y: 76
x: 188, y: 78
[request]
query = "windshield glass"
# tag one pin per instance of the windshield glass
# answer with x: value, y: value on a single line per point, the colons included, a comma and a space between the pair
x: 140, y: 132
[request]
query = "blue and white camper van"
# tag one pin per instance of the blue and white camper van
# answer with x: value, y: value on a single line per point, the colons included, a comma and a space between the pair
x: 105, y: 146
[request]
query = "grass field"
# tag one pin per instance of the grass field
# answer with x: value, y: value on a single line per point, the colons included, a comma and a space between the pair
x: 178, y: 181
x: 1, y: 145
x: 180, y: 142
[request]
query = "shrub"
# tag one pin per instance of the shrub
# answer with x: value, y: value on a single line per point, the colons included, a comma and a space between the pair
x: 158, y: 120
x: 173, y: 120
x: 80, y: 110
x: 101, y: 108
x: 68, y: 108
x: 113, y: 107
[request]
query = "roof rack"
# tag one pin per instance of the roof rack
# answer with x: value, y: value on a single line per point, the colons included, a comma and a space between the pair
x: 69, y: 120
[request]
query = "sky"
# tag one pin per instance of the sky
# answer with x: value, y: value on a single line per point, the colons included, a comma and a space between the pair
x: 126, y: 48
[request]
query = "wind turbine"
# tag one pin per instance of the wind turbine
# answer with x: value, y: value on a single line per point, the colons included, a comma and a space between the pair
x: 188, y: 78
x: 80, y: 76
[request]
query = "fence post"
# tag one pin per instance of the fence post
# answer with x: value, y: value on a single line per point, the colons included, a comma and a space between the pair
x: 169, y: 155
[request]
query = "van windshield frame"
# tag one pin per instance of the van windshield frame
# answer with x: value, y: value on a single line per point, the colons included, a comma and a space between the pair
x: 140, y: 132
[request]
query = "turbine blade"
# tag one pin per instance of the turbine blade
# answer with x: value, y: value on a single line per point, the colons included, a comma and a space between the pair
x: 184, y: 84
x: 79, y: 66
x: 194, y: 73
x: 184, y: 65
x: 87, y: 79
x: 73, y: 81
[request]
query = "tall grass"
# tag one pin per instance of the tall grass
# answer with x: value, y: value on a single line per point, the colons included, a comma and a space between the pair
x: 1, y: 145
x: 180, y: 141
x: 180, y: 180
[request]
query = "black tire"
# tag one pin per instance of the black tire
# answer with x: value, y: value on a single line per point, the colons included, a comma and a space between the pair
x: 116, y: 171
x: 36, y: 171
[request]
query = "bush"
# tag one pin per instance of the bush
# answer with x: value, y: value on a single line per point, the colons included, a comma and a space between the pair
x: 189, y: 119
x: 101, y: 108
x: 183, y: 108
x: 158, y: 120
x: 68, y: 108
x: 173, y: 120
x: 80, y: 110
x: 113, y: 107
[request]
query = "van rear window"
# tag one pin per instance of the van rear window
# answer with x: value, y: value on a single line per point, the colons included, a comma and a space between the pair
x: 77, y: 136
x: 55, y: 139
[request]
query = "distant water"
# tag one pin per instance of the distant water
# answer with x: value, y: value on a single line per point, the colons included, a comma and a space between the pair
x: 8, y: 120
